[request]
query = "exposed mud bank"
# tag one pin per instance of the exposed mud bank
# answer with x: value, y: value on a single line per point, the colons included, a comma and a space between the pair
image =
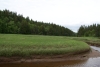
x: 39, y: 58
x: 82, y: 56
x: 89, y: 59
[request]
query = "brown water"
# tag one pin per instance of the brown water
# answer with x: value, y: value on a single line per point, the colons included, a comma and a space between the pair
x: 91, y: 62
x: 43, y: 64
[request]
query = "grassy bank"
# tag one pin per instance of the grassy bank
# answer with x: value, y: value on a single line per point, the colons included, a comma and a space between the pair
x: 27, y: 45
x: 90, y: 40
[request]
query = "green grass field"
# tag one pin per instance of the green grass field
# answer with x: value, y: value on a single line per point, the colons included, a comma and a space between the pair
x: 28, y: 45
x: 95, y: 40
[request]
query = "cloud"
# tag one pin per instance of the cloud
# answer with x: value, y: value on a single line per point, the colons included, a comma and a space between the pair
x: 70, y: 13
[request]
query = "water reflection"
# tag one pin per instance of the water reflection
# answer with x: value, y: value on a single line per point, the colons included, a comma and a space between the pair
x: 91, y: 62
x: 45, y: 64
x: 96, y: 48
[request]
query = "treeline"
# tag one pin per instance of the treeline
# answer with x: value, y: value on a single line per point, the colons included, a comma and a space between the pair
x: 13, y: 23
x: 91, y: 30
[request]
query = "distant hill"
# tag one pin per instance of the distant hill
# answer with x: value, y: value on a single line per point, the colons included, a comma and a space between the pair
x: 13, y: 23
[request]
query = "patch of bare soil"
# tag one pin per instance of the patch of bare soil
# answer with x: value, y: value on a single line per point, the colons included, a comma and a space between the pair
x: 82, y: 56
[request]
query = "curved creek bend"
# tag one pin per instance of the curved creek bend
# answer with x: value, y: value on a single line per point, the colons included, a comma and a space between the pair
x: 88, y: 62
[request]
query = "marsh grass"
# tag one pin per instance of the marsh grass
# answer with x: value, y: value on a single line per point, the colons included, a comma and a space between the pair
x: 94, y: 40
x: 27, y: 45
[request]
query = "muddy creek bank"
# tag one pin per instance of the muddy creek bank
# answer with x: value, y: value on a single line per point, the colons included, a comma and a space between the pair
x: 91, y: 59
x: 91, y: 62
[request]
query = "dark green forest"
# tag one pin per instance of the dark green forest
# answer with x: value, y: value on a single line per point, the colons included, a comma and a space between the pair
x: 13, y: 23
x: 89, y: 31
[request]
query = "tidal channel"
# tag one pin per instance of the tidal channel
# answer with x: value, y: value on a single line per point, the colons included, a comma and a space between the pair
x: 90, y: 62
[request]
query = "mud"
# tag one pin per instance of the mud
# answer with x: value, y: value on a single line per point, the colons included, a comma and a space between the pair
x: 90, y: 59
x: 82, y: 56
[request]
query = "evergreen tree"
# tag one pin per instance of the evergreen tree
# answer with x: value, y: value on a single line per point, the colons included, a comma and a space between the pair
x: 24, y: 28
x: 91, y: 30
x: 11, y: 22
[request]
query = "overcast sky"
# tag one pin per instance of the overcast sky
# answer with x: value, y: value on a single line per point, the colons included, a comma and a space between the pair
x: 69, y: 13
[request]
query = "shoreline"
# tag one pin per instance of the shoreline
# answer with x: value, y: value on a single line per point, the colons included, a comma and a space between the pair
x: 83, y: 56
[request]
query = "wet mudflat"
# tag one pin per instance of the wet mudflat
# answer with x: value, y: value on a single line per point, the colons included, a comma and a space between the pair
x: 96, y: 48
x: 89, y: 62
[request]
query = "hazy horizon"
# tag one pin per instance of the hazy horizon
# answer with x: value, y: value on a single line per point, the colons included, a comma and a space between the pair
x: 68, y: 13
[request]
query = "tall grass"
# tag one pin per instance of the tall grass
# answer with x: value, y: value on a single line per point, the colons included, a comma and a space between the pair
x: 95, y: 40
x: 27, y: 45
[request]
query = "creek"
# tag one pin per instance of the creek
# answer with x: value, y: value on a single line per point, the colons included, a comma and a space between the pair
x: 90, y: 62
